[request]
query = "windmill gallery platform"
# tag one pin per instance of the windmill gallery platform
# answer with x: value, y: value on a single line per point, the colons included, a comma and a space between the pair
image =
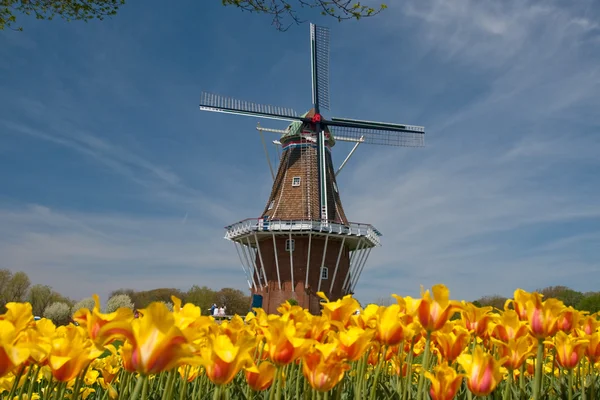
x: 302, y: 243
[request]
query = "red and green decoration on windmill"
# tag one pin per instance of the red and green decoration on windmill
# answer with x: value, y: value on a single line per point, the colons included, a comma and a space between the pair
x: 302, y: 243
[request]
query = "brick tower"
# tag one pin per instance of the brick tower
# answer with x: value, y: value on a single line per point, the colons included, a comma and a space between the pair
x: 302, y: 243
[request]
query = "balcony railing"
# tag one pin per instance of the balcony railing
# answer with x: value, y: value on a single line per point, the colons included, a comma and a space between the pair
x: 258, y: 225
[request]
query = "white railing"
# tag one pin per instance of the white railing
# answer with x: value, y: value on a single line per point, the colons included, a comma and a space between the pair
x: 257, y: 225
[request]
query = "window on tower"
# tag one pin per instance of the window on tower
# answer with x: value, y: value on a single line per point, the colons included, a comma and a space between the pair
x: 324, y: 273
x: 271, y: 205
x: 296, y: 181
x: 290, y: 245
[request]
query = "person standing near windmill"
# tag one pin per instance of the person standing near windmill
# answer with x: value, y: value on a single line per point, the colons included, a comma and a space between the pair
x: 303, y: 243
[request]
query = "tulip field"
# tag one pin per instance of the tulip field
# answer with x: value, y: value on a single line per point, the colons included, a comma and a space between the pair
x: 423, y: 348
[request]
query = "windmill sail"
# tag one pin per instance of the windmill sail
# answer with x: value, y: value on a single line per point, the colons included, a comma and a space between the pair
x: 218, y: 103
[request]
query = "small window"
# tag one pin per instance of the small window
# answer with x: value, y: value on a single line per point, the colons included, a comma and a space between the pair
x: 271, y: 205
x: 290, y: 245
x: 324, y: 273
x: 296, y: 181
x: 335, y: 187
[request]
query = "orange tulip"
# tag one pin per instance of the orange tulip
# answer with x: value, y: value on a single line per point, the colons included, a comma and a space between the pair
x: 322, y: 367
x: 156, y: 344
x: 262, y: 378
x: 433, y: 313
x: 444, y: 383
x: 569, y: 350
x: 482, y: 371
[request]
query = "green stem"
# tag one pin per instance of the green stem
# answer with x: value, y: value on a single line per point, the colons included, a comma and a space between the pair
x: 408, y: 380
x: 217, y: 393
x: 380, y: 362
x: 138, y: 387
x: 33, y: 381
x: 570, y: 390
x: 423, y: 367
x: 537, y: 385
x: 507, y: 395
x: 78, y: 381
x: 195, y: 387
x: 185, y: 383
x: 27, y: 380
x: 278, y: 393
x: 16, y: 382
x: 145, y: 389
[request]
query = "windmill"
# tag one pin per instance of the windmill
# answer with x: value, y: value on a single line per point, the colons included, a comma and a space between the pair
x: 303, y: 243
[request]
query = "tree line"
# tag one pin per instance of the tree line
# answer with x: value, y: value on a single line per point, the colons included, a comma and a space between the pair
x: 588, y: 301
x: 46, y: 302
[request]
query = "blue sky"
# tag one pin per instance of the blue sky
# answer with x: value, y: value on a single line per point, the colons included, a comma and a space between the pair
x: 111, y: 177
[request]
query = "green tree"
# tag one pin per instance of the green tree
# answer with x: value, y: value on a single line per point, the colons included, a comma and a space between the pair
x: 69, y: 10
x: 590, y: 302
x: 565, y: 294
x: 41, y: 296
x: 495, y: 301
x: 203, y: 297
x: 236, y: 301
x: 285, y: 12
x: 16, y: 288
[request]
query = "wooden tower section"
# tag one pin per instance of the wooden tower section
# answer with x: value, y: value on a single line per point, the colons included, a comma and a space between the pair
x: 290, y: 252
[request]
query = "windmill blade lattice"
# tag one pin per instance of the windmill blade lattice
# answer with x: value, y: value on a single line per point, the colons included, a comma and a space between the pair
x: 320, y: 66
x: 218, y: 103
x: 379, y: 136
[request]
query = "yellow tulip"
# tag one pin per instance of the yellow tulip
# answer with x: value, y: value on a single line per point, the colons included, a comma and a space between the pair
x: 155, y: 343
x: 444, y: 383
x: 322, y: 366
x: 509, y: 327
x: 19, y: 314
x: 354, y: 342
x: 568, y: 320
x: 516, y: 351
x: 477, y: 319
x: 390, y: 326
x: 451, y: 341
x: 543, y: 316
x: 285, y: 344
x: 482, y: 371
x: 569, y: 350
x: 12, y: 353
x: 222, y: 359
x: 339, y: 312
x: 433, y: 313
x: 70, y: 353
x: 262, y: 378
x: 104, y: 328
